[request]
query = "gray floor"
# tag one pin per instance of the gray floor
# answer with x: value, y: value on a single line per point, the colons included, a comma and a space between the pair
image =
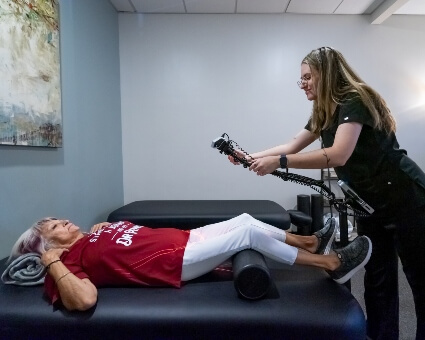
x: 407, y: 309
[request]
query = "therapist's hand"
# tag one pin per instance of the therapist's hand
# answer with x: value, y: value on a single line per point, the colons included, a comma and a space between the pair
x: 241, y: 155
x: 265, y: 165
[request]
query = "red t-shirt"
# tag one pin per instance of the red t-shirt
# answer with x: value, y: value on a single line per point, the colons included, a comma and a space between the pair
x: 126, y: 254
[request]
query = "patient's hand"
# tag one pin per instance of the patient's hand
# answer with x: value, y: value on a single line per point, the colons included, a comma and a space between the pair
x: 99, y: 226
x: 51, y: 255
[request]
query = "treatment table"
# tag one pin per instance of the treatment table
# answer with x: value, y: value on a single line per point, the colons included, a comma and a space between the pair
x: 302, y: 302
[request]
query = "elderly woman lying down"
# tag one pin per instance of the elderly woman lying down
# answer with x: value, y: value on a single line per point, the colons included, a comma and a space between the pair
x: 122, y: 253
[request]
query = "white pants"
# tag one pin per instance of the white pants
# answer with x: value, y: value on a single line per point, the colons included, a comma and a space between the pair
x: 213, y: 244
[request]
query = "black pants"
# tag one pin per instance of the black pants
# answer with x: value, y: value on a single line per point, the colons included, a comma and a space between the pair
x: 405, y: 238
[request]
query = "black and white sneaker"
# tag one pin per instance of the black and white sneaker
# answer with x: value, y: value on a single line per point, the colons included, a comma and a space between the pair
x: 326, y: 236
x: 353, y: 257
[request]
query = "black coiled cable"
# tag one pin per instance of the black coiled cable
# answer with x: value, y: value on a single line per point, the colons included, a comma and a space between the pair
x: 228, y: 147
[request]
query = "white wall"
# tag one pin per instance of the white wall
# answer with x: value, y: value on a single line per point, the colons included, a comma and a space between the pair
x: 186, y: 79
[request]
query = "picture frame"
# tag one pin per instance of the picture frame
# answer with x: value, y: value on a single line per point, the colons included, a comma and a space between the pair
x: 30, y: 92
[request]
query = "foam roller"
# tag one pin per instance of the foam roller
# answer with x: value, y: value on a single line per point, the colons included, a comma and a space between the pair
x: 251, y: 275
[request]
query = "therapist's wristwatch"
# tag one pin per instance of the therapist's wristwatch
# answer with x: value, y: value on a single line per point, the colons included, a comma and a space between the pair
x: 283, y: 162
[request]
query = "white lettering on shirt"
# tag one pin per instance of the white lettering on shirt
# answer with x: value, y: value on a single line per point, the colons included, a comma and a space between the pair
x: 126, y: 238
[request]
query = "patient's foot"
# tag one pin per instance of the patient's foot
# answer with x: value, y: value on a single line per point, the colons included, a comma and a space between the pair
x: 326, y: 237
x: 353, y: 257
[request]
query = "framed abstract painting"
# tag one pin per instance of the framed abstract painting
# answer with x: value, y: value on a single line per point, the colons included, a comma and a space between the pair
x: 30, y: 93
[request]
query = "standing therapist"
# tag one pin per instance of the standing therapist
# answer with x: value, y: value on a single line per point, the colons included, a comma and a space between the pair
x: 357, y: 131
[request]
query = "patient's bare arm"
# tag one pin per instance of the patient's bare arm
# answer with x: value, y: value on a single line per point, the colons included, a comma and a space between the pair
x: 75, y: 293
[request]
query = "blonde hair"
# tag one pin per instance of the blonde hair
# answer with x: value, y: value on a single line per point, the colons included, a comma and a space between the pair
x: 336, y: 80
x: 32, y: 241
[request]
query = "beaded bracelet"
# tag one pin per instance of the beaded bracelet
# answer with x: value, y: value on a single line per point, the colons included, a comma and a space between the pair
x: 62, y: 277
x: 48, y: 266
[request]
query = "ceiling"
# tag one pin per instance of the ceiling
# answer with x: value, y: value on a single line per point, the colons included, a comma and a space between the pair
x: 379, y: 10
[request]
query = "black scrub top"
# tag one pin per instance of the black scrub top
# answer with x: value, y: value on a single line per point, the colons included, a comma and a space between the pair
x: 378, y: 170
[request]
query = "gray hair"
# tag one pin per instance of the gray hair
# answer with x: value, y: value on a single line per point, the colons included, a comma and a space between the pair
x: 31, y: 241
